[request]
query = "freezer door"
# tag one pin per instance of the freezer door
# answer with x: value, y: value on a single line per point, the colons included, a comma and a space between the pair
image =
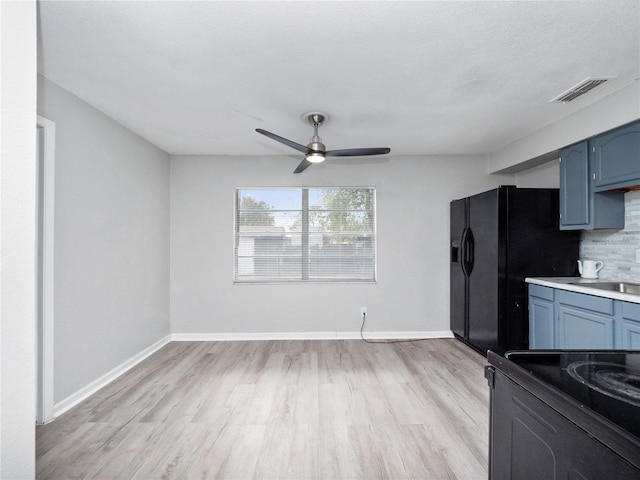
x: 458, y: 280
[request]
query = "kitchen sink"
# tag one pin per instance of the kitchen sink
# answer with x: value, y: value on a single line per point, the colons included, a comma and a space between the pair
x: 622, y: 287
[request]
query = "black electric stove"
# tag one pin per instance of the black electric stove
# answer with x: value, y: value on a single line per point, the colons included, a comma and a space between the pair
x: 565, y: 414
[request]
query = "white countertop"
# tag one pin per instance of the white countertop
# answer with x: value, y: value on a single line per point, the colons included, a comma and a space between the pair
x: 567, y: 283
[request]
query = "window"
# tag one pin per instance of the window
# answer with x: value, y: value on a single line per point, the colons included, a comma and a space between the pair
x: 305, y: 234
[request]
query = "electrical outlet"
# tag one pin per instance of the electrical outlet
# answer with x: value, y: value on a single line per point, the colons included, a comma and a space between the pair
x: 363, y: 311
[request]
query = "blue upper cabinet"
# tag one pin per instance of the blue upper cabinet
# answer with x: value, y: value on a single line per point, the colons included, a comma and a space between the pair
x: 616, y: 158
x: 574, y: 186
x: 581, y: 208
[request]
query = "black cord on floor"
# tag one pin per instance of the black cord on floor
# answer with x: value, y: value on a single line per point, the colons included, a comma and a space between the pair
x: 364, y: 319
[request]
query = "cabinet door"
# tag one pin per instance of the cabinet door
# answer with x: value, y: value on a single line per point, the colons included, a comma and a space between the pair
x: 629, y: 331
x: 630, y: 335
x: 578, y: 329
x: 574, y: 186
x: 541, y: 323
x: 617, y: 158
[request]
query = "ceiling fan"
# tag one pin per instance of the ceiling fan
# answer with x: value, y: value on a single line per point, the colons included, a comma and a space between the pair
x: 315, y: 151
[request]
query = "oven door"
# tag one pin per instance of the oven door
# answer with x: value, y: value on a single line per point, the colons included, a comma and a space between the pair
x: 530, y: 440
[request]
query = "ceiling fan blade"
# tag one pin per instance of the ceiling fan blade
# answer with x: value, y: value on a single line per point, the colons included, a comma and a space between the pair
x: 356, y: 152
x: 303, y: 166
x: 301, y: 148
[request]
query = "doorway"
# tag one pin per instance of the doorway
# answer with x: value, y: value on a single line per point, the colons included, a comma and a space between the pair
x: 45, y: 157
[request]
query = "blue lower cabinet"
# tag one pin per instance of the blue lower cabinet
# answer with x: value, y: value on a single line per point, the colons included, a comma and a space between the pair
x: 629, y: 336
x: 560, y: 319
x: 541, y: 323
x: 590, y: 303
x: 578, y: 329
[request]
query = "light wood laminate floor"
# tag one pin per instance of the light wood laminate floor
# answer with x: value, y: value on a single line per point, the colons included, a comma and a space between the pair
x: 325, y: 409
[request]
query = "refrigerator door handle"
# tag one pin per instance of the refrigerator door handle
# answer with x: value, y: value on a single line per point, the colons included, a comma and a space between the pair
x: 463, y: 253
x: 469, y: 251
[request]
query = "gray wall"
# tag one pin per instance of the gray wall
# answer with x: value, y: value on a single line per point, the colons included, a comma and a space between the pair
x: 111, y: 241
x: 546, y: 175
x: 412, y: 292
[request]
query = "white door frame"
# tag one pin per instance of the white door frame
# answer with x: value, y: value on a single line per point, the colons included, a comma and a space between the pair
x: 44, y: 329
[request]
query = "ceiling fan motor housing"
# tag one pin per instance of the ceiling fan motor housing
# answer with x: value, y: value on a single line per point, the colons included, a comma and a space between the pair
x: 316, y: 144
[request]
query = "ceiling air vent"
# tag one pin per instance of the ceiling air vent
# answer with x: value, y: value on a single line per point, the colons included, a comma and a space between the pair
x: 580, y: 89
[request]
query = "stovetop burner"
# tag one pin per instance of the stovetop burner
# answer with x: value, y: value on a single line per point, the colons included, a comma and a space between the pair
x: 611, y: 379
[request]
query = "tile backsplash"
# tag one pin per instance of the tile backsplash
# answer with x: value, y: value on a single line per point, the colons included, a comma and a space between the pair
x: 617, y: 248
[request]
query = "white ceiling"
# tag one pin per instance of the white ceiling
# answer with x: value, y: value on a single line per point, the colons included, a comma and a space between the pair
x: 422, y: 77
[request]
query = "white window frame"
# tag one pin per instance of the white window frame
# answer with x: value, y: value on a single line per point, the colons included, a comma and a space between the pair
x: 305, y: 210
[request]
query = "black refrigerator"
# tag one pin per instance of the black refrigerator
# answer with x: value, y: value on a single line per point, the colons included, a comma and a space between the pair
x: 498, y: 238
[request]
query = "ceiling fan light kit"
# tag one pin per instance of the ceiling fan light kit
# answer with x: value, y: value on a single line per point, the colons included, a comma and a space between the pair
x: 315, y: 151
x: 315, y: 157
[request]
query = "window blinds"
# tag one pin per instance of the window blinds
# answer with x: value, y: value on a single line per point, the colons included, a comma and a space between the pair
x: 305, y: 234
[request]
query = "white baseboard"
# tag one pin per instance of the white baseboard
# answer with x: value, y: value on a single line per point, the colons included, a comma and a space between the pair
x: 407, y: 335
x: 84, y: 393
x: 215, y: 337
